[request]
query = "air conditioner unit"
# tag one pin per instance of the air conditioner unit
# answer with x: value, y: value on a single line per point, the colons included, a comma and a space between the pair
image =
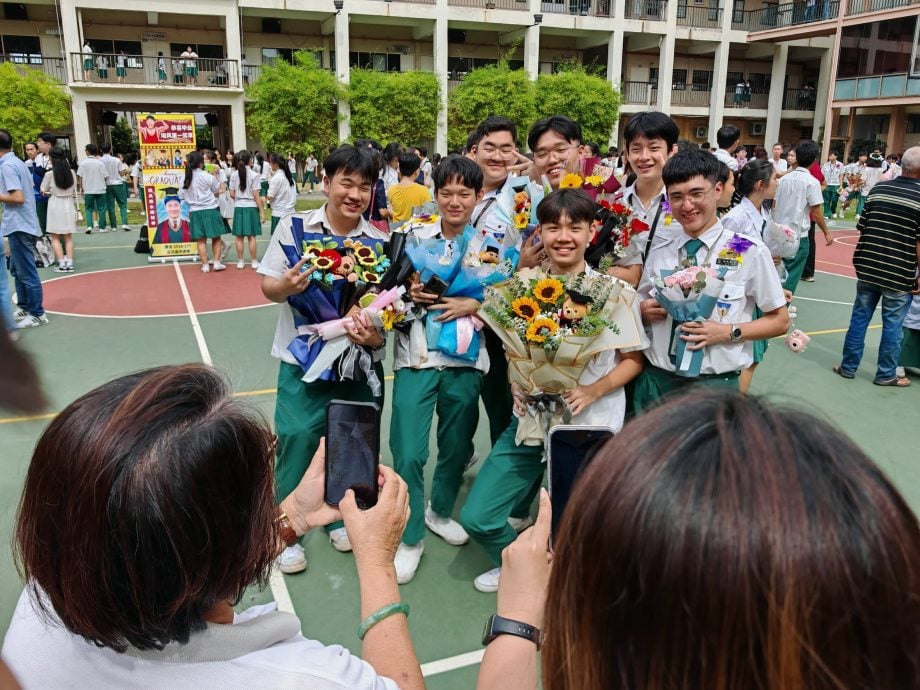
x: 757, y: 129
x: 701, y: 132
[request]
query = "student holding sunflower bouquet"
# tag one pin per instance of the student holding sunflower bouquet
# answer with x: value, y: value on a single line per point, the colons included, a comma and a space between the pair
x: 573, y: 339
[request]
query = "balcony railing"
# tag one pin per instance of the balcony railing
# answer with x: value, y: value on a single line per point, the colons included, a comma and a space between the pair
x: 585, y: 8
x: 103, y: 68
x: 53, y: 67
x: 654, y: 10
x: 788, y: 14
x: 887, y: 86
x: 803, y: 98
x: 699, y: 17
x: 492, y: 4
x: 687, y: 95
x: 637, y: 92
x: 864, y: 6
x: 757, y: 101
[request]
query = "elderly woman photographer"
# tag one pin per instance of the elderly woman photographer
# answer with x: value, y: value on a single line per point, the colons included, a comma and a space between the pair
x: 147, y: 511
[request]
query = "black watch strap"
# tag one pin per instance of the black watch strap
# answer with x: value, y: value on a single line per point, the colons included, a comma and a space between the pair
x: 496, y: 625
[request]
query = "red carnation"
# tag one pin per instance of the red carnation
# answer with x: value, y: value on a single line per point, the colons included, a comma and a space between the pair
x: 637, y: 226
x: 620, y: 209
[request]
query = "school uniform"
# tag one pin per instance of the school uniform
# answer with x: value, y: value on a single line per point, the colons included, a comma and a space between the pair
x: 300, y: 407
x: 510, y: 471
x: 92, y: 173
x: 749, y: 284
x: 284, y: 197
x: 115, y: 190
x: 656, y: 215
x: 246, y: 221
x: 264, y: 176
x: 796, y: 193
x: 426, y: 381
x: 201, y: 196
x: 121, y: 66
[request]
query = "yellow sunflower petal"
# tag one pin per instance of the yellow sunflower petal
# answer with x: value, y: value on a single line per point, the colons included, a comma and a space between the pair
x: 526, y: 307
x: 571, y: 181
x: 548, y: 290
x: 540, y: 329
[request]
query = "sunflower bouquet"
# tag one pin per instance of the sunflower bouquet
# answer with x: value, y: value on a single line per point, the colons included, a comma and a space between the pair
x: 551, y: 327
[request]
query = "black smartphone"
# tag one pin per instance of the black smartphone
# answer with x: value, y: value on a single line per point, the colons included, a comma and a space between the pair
x: 570, y: 449
x: 352, y: 451
x: 435, y: 285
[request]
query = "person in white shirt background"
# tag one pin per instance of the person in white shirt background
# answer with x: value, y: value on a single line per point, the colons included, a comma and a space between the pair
x: 115, y: 190
x: 282, y: 189
x: 728, y: 138
x: 92, y: 173
x: 779, y: 163
x: 831, y: 169
x: 200, y: 190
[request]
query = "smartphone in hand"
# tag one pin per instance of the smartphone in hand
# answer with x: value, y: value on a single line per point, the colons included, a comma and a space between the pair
x: 435, y: 285
x: 352, y: 451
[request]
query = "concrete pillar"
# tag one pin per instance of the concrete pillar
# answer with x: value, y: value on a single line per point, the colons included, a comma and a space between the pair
x: 666, y: 59
x: 822, y: 92
x: 532, y: 51
x: 238, y: 123
x: 615, y: 74
x: 897, y: 125
x: 440, y: 68
x: 717, y: 95
x: 81, y: 131
x: 342, y: 71
x: 777, y: 91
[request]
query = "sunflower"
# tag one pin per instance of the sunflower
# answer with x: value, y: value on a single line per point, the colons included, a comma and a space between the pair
x: 571, y: 181
x: 540, y: 329
x: 525, y: 307
x: 327, y: 260
x: 594, y: 180
x: 548, y: 290
x: 370, y: 277
x: 365, y: 255
x: 521, y: 220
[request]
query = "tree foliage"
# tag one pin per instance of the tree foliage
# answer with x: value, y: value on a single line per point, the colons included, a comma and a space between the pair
x: 31, y: 101
x: 393, y: 106
x: 293, y: 107
x: 588, y: 99
x: 124, y: 138
x: 491, y: 90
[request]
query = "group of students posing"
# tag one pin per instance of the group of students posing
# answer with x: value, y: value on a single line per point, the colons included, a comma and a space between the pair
x: 676, y: 193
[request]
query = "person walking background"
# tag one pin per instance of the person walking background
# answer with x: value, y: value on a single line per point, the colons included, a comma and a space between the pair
x: 60, y: 189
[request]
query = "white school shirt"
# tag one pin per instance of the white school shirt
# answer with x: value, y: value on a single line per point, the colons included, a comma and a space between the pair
x: 390, y: 177
x: 311, y: 164
x: 831, y: 172
x: 647, y: 215
x: 754, y: 283
x: 796, y: 193
x: 275, y: 263
x: 87, y: 51
x: 113, y: 170
x: 121, y: 61
x: 202, y: 193
x: 245, y: 198
x: 402, y: 346
x: 870, y: 177
x: 292, y: 166
x: 263, y: 647
x: 283, y: 195
x: 746, y: 220
x: 727, y: 158
x: 161, y: 64
x: 92, y: 172
x: 485, y: 209
x: 780, y: 165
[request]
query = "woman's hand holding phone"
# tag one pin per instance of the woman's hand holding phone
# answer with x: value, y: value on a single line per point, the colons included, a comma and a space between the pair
x: 375, y: 533
x: 526, y: 566
x: 305, y: 505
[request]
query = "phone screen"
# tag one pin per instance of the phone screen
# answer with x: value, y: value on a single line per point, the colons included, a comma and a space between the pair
x: 570, y: 450
x: 352, y: 451
x: 435, y: 285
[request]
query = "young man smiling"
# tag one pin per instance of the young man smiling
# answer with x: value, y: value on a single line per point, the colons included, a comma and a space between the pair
x: 700, y: 239
x: 300, y: 408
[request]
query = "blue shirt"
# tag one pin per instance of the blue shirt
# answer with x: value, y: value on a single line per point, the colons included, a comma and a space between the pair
x: 14, y: 175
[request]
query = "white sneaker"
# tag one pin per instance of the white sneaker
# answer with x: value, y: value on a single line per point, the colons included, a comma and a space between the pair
x: 488, y: 581
x: 205, y: 268
x: 474, y: 458
x: 292, y: 560
x: 449, y: 530
x: 407, y: 560
x: 255, y: 264
x: 20, y: 314
x: 104, y: 230
x: 30, y: 321
x: 218, y: 266
x: 126, y: 228
x: 520, y: 524
x: 241, y: 264
x: 339, y: 540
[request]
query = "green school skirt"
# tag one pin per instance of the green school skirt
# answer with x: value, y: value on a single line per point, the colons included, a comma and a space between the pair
x: 206, y: 224
x: 910, y: 349
x: 246, y: 222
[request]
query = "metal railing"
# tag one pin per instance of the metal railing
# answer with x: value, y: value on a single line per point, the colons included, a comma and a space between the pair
x: 109, y: 68
x: 654, y: 10
x: 637, y: 92
x: 864, y: 6
x: 453, y: 84
x: 757, y: 101
x: 53, y: 67
x: 685, y: 94
x: 789, y: 14
x: 584, y: 8
x: 699, y: 17
x: 887, y: 86
x: 802, y: 98
x: 492, y: 4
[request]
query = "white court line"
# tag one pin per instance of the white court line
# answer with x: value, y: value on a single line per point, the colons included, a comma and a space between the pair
x: 452, y: 663
x: 839, y: 275
x: 280, y: 592
x: 839, y: 240
x: 825, y: 301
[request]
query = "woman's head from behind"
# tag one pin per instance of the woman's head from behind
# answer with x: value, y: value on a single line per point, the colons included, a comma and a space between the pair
x: 719, y: 542
x: 147, y: 503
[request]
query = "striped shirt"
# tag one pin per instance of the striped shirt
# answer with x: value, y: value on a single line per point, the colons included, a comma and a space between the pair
x: 889, y: 230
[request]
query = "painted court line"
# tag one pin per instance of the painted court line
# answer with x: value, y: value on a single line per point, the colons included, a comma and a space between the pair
x: 193, y: 317
x: 452, y: 663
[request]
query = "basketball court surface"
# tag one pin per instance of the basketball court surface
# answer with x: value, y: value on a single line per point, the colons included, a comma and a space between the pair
x: 118, y: 314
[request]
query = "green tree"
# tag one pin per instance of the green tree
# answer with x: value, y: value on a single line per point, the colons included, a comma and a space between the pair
x: 31, y: 101
x: 124, y: 139
x: 293, y: 107
x: 588, y: 99
x: 204, y: 136
x: 491, y: 90
x: 393, y: 106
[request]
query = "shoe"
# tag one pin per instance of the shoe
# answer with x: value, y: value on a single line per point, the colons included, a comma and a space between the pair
x: 205, y: 268
x: 488, y: 581
x: 838, y: 369
x: 89, y: 231
x: 241, y: 264
x: 474, y: 458
x: 255, y: 264
x: 339, y: 540
x: 292, y: 560
x: 407, y: 560
x: 520, y: 524
x: 103, y: 229
x: 31, y: 321
x: 61, y: 269
x: 20, y: 314
x: 218, y: 266
x: 809, y: 279
x: 126, y: 228
x: 896, y: 381
x: 449, y: 530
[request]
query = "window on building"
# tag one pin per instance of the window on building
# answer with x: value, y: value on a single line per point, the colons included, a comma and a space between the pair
x: 760, y: 83
x: 23, y: 49
x: 877, y: 48
x: 702, y: 80
x: 733, y: 78
x: 679, y: 80
x: 131, y: 48
x: 459, y: 67
x: 653, y: 77
x: 379, y: 62
x: 515, y: 64
x: 272, y: 55
x: 738, y: 11
x: 204, y: 50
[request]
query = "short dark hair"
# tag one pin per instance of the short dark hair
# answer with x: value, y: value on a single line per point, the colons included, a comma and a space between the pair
x: 391, y: 151
x: 422, y: 150
x: 92, y: 149
x: 806, y: 153
x: 6, y: 140
x: 727, y: 135
x: 652, y: 125
x: 574, y: 204
x: 705, y: 146
x: 493, y: 123
x: 180, y: 518
x: 47, y: 137
x: 861, y: 153
x: 409, y: 163
x: 458, y: 169
x: 564, y: 126
x: 593, y: 148
x: 106, y: 147
x: 724, y: 172
x: 350, y: 159
x: 757, y: 170
x: 683, y: 166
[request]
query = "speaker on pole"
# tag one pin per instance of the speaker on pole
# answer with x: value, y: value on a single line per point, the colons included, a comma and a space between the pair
x: 211, y: 119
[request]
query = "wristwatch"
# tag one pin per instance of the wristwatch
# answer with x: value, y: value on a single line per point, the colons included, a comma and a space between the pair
x: 736, y: 334
x: 496, y: 625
